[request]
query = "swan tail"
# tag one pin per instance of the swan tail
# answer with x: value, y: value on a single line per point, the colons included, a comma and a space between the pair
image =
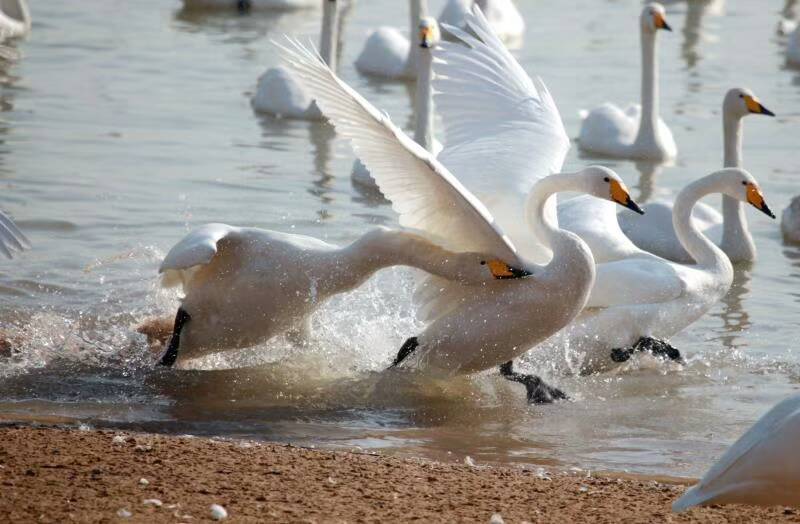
x: 692, y: 497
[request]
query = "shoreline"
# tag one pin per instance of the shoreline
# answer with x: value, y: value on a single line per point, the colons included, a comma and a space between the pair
x: 55, y: 474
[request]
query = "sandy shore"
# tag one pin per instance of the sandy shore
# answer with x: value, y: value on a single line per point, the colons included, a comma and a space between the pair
x: 58, y: 475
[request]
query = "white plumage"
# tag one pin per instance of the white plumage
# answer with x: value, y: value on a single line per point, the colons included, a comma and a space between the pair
x: 11, y: 238
x: 790, y: 221
x: 503, y: 16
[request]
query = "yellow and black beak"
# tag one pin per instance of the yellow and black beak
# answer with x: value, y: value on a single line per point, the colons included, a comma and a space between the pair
x: 754, y: 106
x: 661, y: 22
x: 502, y: 271
x: 756, y: 199
x: 426, y: 37
x: 620, y: 195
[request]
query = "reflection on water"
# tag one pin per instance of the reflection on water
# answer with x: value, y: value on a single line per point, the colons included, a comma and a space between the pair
x: 735, y: 318
x: 648, y: 172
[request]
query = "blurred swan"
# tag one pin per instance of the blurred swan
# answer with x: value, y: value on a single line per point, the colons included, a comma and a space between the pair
x: 639, y: 299
x: 243, y: 286
x: 793, y: 48
x: 638, y: 131
x: 654, y: 231
x: 387, y: 53
x: 503, y: 16
x: 244, y: 5
x: 11, y: 238
x: 472, y: 329
x: 279, y: 94
x: 423, y: 99
x: 790, y: 221
x: 15, y: 19
x: 762, y: 468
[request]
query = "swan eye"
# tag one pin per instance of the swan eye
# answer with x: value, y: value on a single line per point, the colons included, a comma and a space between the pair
x: 483, y: 262
x: 741, y: 95
x: 744, y: 182
x: 606, y: 179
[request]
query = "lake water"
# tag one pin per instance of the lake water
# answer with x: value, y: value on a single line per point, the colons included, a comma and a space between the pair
x: 125, y: 124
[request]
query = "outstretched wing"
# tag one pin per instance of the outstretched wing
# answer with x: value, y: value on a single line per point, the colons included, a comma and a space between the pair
x: 11, y: 238
x: 422, y: 191
x: 197, y: 248
x: 503, y: 131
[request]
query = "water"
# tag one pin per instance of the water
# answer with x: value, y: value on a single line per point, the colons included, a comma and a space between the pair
x: 126, y: 124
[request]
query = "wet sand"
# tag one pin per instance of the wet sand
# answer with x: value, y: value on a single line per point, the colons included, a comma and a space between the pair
x: 55, y: 475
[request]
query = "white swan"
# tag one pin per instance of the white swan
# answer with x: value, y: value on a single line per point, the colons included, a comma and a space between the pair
x: 761, y: 468
x: 15, y: 19
x: 640, y: 299
x: 503, y: 16
x: 244, y: 5
x: 654, y: 232
x: 790, y: 221
x: 423, y: 100
x: 638, y: 131
x: 475, y: 329
x: 277, y: 91
x: 243, y: 286
x: 387, y: 53
x: 11, y: 238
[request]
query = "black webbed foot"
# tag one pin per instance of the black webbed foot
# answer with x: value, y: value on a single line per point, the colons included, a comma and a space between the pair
x: 171, y: 354
x: 406, y: 349
x: 538, y: 392
x: 659, y: 348
x: 243, y: 5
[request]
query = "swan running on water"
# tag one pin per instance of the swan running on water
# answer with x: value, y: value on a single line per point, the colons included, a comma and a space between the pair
x: 11, y: 238
x: 473, y: 329
x: 637, y: 132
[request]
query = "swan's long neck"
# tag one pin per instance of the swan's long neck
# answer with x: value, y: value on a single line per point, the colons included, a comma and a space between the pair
x: 703, y: 251
x: 737, y: 242
x: 648, y: 126
x: 329, y: 37
x: 419, y: 8
x: 423, y: 134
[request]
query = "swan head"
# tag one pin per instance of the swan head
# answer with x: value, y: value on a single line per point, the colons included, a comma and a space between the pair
x: 741, y: 102
x: 654, y: 17
x: 739, y: 184
x: 501, y: 270
x: 604, y: 183
x: 429, y: 34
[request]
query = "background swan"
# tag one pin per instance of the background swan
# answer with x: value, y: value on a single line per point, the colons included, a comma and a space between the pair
x: 15, y: 19
x: 638, y: 131
x: 243, y: 286
x: 251, y: 4
x: 761, y: 468
x: 388, y: 53
x: 430, y: 36
x: 503, y: 16
x: 654, y: 231
x: 471, y: 330
x: 11, y: 238
x: 639, y: 300
x: 790, y: 221
x: 277, y: 91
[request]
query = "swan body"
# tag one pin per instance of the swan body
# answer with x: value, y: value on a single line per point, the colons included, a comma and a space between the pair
x: 473, y: 329
x: 790, y: 221
x: 639, y: 295
x: 243, y: 286
x: 11, y: 238
x: 388, y: 53
x: 793, y: 48
x: 15, y: 19
x: 638, y: 131
x: 279, y: 94
x: 503, y: 16
x: 761, y: 468
x: 251, y: 4
x: 654, y: 231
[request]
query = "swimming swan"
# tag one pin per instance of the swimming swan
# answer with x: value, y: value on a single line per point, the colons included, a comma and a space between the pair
x: 472, y: 329
x: 243, y: 286
x: 279, y: 93
x: 638, y: 131
x: 15, y: 19
x: 654, y: 232
x: 639, y: 299
x: 503, y: 16
x: 790, y: 221
x: 761, y: 468
x: 387, y: 53
x: 11, y: 238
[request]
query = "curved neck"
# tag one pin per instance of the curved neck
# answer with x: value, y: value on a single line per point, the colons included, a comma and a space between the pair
x: 737, y: 242
x: 329, y: 37
x: 423, y: 106
x: 648, y: 126
x: 701, y: 249
x: 419, y: 8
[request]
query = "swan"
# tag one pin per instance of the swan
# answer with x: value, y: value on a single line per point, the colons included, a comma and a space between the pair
x: 15, y: 19
x: 761, y: 468
x: 790, y: 221
x: 503, y: 16
x: 639, y: 299
x: 637, y: 132
x: 278, y: 92
x: 388, y: 53
x: 654, y: 232
x: 243, y: 286
x: 246, y: 5
x: 11, y: 238
x: 469, y: 329
x: 423, y: 100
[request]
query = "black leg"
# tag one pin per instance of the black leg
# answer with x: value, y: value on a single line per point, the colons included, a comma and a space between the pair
x: 537, y: 391
x: 659, y: 348
x: 243, y: 5
x: 171, y: 355
x: 407, y: 348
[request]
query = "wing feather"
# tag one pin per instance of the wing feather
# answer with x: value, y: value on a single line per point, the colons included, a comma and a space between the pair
x: 11, y: 238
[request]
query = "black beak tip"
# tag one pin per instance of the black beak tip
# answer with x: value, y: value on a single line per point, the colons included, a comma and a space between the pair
x: 667, y: 27
x: 765, y: 111
x: 633, y: 206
